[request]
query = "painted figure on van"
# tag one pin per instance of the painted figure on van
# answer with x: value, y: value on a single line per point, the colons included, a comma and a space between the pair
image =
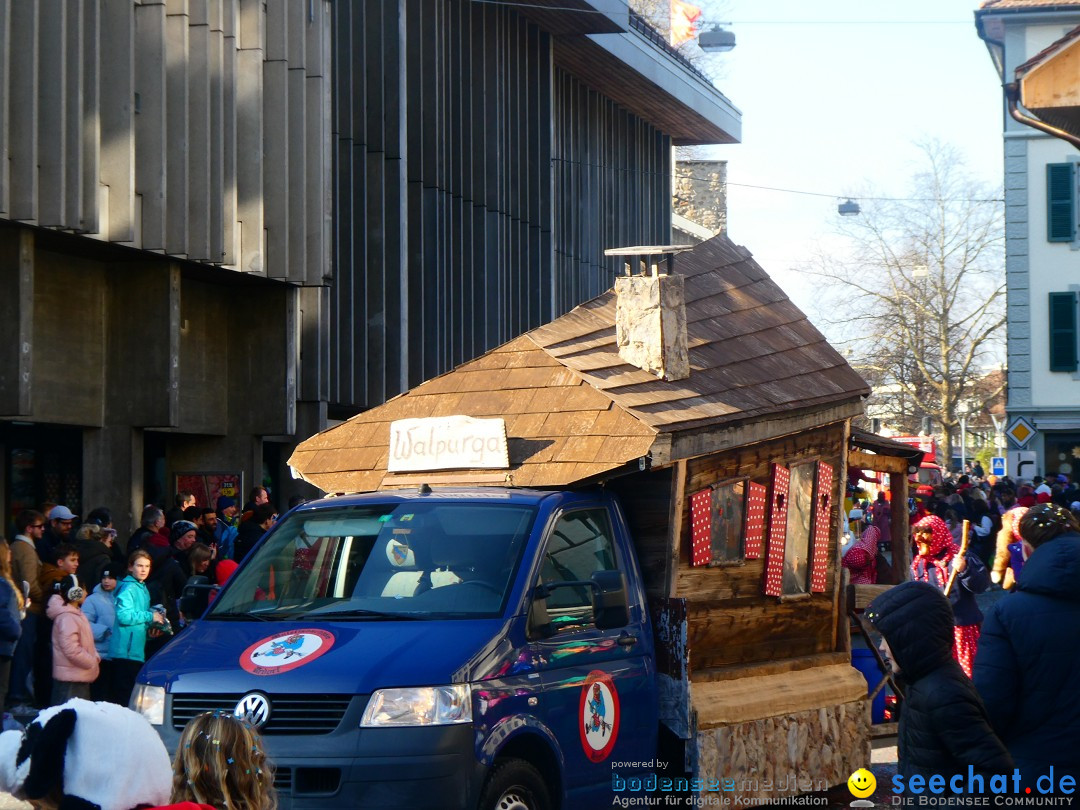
x: 287, y: 648
x: 598, y: 711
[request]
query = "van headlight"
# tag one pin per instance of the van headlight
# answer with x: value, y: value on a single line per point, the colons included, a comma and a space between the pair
x: 419, y: 706
x: 149, y: 701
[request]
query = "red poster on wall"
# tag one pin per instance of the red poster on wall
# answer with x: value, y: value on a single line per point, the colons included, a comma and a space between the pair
x: 208, y: 487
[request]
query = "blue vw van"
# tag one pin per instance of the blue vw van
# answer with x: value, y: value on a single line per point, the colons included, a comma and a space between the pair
x: 471, y: 648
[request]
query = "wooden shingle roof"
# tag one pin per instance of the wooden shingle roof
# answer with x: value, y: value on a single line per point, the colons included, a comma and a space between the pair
x: 575, y: 410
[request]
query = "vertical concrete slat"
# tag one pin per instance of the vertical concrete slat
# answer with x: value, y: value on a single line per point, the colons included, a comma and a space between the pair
x: 117, y: 124
x: 151, y: 136
x: 319, y: 154
x: 52, y: 75
x: 178, y: 154
x: 249, y: 136
x: 198, y: 131
x: 73, y: 114
x: 89, y: 183
x: 216, y: 58
x: 275, y: 110
x: 297, y: 144
x: 22, y: 146
x: 230, y: 227
x: 17, y: 327
x: 5, y: 99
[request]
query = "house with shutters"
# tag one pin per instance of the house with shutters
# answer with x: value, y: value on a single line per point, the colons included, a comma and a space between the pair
x: 1035, y: 45
x: 729, y: 461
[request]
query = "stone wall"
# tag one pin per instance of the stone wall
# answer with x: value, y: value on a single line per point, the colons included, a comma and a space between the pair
x: 780, y: 756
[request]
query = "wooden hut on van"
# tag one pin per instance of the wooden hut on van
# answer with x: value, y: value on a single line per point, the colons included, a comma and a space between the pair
x: 731, y: 478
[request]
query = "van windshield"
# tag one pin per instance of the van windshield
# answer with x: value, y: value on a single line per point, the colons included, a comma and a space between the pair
x: 380, y: 561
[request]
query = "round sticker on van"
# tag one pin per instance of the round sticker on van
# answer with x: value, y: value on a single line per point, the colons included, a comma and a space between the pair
x: 599, y: 715
x: 285, y: 651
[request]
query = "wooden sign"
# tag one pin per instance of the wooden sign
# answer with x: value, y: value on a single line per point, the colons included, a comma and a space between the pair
x: 447, y: 443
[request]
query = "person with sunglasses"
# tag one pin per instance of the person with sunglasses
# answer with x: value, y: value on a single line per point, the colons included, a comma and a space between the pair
x: 25, y: 567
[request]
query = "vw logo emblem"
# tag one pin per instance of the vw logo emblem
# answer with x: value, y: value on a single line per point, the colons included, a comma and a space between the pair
x: 253, y: 707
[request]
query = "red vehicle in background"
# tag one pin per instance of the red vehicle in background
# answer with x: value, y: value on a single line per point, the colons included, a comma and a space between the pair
x: 930, y: 472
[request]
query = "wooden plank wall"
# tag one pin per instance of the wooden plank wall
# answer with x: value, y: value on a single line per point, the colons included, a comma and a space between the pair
x: 646, y: 502
x: 730, y: 621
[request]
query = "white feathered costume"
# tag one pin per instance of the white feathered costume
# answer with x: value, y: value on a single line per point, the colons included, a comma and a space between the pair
x: 109, y: 756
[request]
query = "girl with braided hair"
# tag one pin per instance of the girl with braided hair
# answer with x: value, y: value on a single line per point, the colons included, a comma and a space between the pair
x: 938, y: 558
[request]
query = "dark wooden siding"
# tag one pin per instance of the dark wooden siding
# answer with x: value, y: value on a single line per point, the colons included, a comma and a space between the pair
x: 475, y: 189
x: 730, y: 621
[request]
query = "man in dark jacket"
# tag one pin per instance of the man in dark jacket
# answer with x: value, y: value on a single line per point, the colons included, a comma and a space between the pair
x: 252, y: 530
x: 1028, y: 666
x: 944, y: 727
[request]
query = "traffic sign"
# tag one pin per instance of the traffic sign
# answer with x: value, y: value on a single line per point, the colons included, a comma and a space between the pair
x: 1022, y: 464
x: 1020, y: 431
x: 997, y: 465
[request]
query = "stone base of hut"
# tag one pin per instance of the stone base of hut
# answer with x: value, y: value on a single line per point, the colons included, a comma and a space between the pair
x: 771, y: 736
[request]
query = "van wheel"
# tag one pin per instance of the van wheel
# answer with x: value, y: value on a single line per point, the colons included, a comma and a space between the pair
x: 514, y: 784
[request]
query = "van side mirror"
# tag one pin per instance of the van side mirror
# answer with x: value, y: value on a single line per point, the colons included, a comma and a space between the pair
x: 195, y: 597
x: 611, y: 608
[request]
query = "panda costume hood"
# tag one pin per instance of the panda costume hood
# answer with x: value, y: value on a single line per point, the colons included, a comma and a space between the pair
x: 88, y: 756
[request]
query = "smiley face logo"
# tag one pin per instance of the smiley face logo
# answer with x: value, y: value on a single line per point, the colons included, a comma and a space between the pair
x: 861, y: 783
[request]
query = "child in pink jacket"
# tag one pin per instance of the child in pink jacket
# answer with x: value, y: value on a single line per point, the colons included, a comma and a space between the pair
x: 75, y: 659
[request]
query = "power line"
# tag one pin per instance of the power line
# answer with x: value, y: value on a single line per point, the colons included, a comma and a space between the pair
x: 670, y: 177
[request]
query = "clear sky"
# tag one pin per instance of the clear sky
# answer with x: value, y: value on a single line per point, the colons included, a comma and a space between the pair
x: 834, y: 95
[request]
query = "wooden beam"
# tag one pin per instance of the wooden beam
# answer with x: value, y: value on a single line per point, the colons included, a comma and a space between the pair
x: 869, y: 461
x: 900, y: 530
x: 678, y: 503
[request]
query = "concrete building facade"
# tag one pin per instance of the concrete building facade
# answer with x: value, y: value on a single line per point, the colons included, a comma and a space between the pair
x: 224, y: 222
x: 1042, y: 246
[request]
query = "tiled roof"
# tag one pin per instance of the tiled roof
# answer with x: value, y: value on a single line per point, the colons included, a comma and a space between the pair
x: 1033, y: 4
x: 575, y: 410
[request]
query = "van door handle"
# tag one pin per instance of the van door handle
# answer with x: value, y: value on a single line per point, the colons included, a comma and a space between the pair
x: 626, y: 640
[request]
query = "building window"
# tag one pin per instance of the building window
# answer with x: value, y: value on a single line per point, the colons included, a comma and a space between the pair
x: 800, y: 521
x: 1060, y: 202
x: 1063, y: 331
x: 729, y: 500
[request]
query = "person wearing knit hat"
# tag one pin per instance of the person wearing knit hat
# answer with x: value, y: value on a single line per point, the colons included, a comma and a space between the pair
x: 225, y: 531
x: 183, y: 534
x: 937, y: 560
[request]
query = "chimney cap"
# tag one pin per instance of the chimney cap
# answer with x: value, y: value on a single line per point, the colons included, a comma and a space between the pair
x: 647, y: 250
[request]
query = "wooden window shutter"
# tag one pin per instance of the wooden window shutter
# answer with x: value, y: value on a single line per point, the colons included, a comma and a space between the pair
x: 1060, y: 202
x: 774, y: 555
x: 755, y: 521
x: 701, y: 527
x: 823, y: 502
x: 1062, y: 331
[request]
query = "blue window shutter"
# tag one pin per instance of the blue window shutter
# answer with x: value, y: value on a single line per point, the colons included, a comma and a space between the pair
x: 1063, y: 331
x: 1060, y: 202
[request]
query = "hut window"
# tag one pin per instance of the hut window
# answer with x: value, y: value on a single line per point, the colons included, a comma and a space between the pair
x: 800, y: 523
x: 729, y: 510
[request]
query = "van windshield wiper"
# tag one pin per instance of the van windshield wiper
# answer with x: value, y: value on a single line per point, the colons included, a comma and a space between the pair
x: 362, y: 613
x: 233, y: 616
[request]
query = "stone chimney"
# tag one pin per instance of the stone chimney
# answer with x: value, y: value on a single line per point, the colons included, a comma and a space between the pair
x: 650, y: 314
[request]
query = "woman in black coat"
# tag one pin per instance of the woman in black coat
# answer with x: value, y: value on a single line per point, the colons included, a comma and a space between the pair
x: 944, y: 727
x: 1028, y: 666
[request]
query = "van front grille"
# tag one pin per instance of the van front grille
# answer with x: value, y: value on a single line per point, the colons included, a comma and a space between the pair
x: 289, y: 714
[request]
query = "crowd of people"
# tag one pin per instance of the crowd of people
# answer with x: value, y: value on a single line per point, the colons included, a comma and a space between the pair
x: 81, y: 610
x: 996, y: 691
